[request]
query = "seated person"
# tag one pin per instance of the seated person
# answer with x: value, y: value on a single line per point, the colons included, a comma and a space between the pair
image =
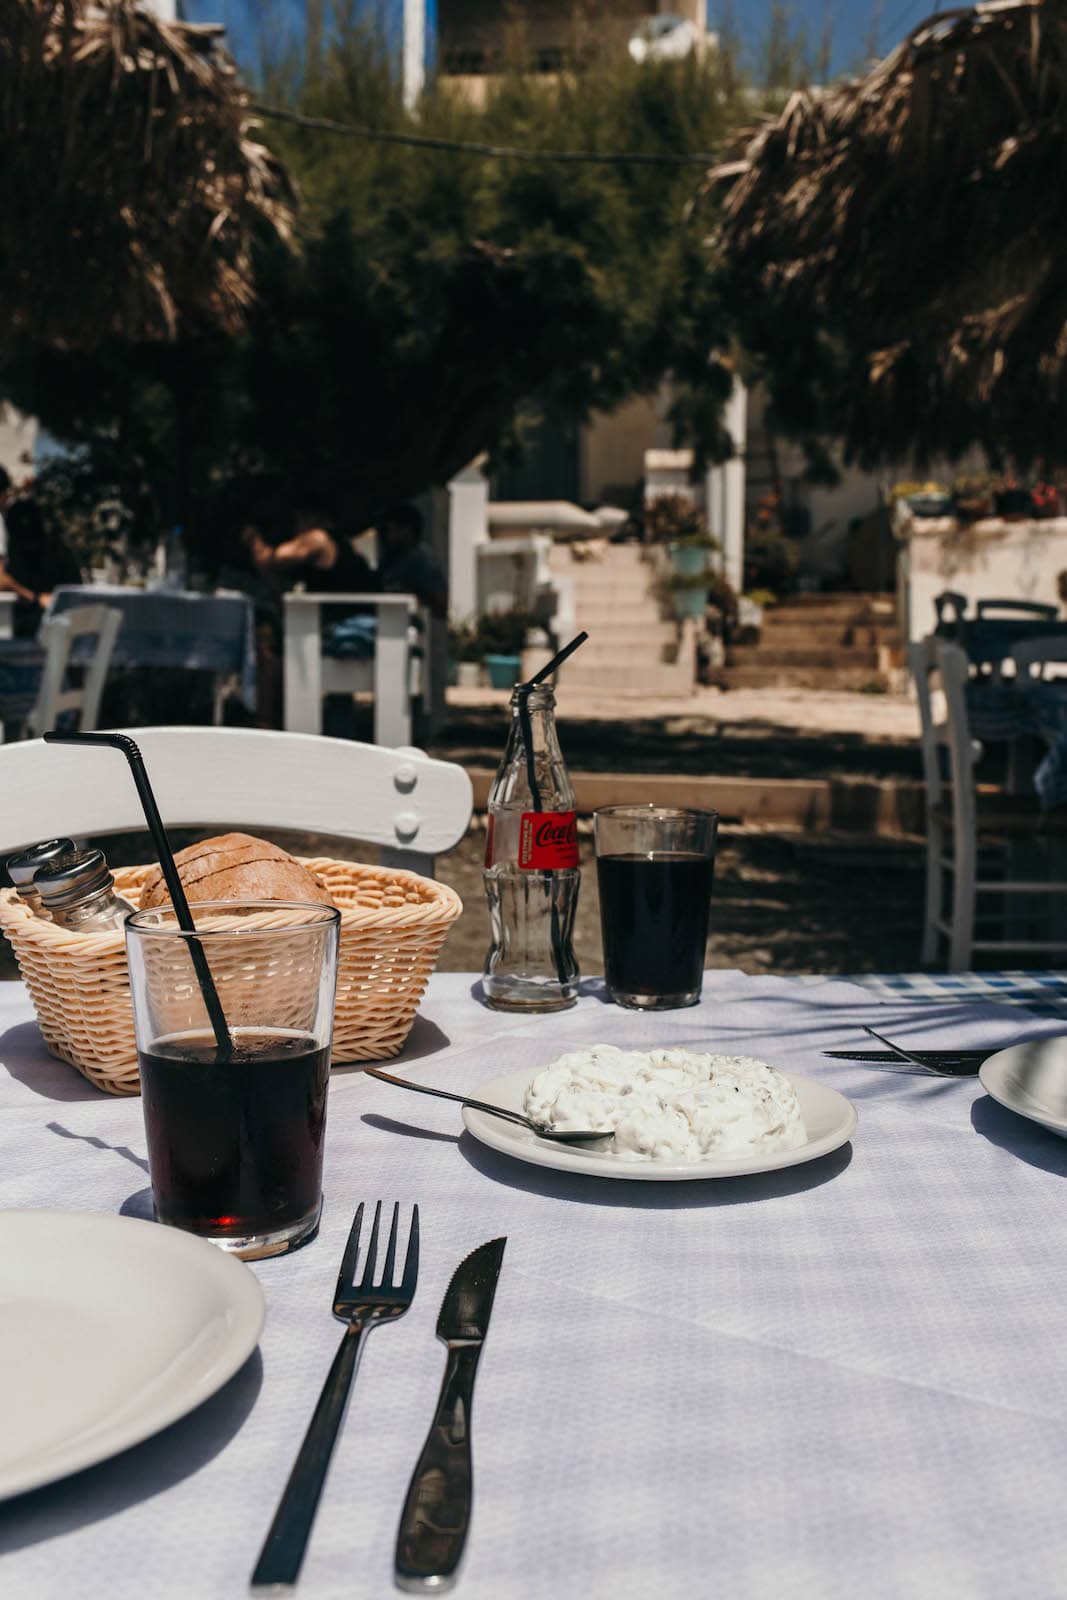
x: 34, y: 558
x: 322, y: 560
x: 405, y: 566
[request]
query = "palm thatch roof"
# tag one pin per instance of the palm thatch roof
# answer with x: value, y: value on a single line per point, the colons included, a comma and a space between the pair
x: 900, y: 242
x: 132, y: 190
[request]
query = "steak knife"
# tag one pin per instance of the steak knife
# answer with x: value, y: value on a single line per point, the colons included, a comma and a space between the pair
x: 436, y: 1515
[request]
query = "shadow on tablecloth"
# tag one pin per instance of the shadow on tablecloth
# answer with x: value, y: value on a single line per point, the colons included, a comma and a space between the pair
x: 137, y: 1474
x: 700, y: 1192
x: 22, y: 1052
x: 1028, y: 1140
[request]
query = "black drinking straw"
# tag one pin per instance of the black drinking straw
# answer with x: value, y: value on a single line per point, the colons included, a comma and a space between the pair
x: 129, y: 748
x: 525, y: 690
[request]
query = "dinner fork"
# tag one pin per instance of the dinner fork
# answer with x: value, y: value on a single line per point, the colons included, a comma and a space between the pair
x: 362, y: 1305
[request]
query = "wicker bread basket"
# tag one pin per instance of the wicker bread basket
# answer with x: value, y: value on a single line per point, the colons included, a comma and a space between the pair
x: 393, y: 925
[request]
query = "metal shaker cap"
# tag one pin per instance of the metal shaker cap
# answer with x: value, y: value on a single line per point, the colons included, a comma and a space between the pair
x: 51, y: 853
x: 65, y: 885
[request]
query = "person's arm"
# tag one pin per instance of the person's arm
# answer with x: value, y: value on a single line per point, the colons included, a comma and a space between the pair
x: 13, y: 586
x: 314, y: 548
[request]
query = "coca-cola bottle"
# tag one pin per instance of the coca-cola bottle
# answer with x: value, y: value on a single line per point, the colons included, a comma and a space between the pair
x: 531, y: 865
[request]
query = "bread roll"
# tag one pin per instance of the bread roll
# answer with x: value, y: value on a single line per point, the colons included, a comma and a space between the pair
x: 237, y: 866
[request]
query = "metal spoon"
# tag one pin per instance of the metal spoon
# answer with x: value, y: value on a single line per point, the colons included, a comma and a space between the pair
x: 539, y: 1128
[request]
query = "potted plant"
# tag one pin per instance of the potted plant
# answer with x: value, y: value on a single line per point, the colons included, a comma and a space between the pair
x: 501, y: 637
x: 464, y: 654
x: 677, y: 525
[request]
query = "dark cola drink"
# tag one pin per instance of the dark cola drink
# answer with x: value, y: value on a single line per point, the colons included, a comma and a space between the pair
x: 531, y: 866
x: 235, y: 1147
x: 654, y: 870
x: 654, y: 921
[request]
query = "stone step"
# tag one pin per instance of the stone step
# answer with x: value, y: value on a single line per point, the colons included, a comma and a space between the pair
x: 763, y: 677
x: 659, y: 682
x: 759, y: 655
x: 617, y: 610
x: 648, y: 659
x: 605, y: 595
x: 827, y: 635
x: 839, y: 602
x: 627, y: 636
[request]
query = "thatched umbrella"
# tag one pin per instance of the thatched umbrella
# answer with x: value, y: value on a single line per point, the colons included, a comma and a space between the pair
x: 130, y: 188
x: 906, y: 236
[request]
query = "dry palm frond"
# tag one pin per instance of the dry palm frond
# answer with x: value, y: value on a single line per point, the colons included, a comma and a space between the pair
x: 918, y: 217
x: 131, y: 190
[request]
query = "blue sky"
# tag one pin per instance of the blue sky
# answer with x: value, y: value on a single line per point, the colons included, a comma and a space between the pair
x: 852, y: 19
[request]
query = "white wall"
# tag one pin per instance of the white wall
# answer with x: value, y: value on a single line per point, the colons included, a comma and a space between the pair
x: 990, y: 560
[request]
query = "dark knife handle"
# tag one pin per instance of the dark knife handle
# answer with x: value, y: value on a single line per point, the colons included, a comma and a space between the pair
x: 437, y: 1511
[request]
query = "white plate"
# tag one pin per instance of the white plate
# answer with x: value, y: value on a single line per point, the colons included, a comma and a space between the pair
x: 110, y: 1329
x: 1031, y: 1079
x: 828, y: 1117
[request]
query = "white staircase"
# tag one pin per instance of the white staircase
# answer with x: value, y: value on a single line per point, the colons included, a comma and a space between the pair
x: 632, y: 648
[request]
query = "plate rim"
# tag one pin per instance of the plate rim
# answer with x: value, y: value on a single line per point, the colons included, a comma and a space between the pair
x: 493, y: 1132
x: 247, y: 1299
x: 995, y: 1071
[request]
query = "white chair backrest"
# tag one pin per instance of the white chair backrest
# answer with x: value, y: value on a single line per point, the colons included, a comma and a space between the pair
x: 1030, y: 653
x: 947, y: 664
x: 412, y: 806
x: 58, y: 635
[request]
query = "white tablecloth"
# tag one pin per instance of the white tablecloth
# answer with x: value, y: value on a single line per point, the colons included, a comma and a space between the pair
x: 847, y: 1379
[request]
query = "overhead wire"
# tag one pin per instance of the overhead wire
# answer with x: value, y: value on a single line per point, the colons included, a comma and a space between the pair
x: 421, y: 141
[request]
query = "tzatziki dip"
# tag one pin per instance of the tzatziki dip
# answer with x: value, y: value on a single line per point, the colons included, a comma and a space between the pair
x: 669, y: 1105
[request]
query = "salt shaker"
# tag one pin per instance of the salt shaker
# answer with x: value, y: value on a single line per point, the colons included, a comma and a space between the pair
x: 81, y: 896
x: 43, y: 857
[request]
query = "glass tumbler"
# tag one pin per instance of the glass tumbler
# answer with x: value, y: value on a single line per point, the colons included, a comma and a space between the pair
x: 655, y: 866
x: 235, y: 1135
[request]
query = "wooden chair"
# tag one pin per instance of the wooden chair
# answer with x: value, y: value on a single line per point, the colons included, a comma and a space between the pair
x: 952, y: 820
x: 60, y: 635
x: 412, y: 806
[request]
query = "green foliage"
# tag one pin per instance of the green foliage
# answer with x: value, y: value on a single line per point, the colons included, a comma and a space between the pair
x: 432, y: 295
x: 674, y: 519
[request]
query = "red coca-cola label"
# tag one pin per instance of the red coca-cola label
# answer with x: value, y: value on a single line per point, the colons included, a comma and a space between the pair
x: 548, y: 839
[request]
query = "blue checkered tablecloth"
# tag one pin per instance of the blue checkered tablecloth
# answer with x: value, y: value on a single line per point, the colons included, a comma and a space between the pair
x: 166, y: 628
x: 998, y: 711
x: 21, y: 662
x: 1042, y: 992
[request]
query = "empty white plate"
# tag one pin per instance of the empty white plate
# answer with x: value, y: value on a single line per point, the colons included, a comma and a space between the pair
x: 1031, y: 1079
x: 828, y: 1117
x: 110, y: 1329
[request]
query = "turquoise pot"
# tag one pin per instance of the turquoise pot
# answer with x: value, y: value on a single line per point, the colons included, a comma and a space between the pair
x: 689, y: 602
x: 688, y: 560
x: 503, y: 671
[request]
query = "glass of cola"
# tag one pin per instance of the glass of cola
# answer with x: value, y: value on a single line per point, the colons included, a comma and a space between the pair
x: 655, y: 866
x: 235, y: 1134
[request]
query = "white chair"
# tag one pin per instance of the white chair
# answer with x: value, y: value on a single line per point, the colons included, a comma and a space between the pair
x: 59, y: 635
x: 395, y: 676
x: 410, y: 805
x: 952, y: 821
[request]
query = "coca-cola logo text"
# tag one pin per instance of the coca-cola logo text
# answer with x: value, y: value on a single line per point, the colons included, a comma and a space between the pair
x: 552, y: 832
